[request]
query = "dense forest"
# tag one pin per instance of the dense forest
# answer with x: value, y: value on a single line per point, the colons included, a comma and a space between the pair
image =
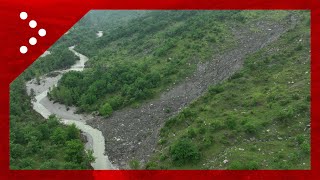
x: 36, y: 143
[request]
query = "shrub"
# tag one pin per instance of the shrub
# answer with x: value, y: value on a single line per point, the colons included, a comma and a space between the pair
x: 151, y: 165
x: 184, y: 151
x: 300, y: 139
x: 231, y: 123
x: 167, y: 110
x: 162, y: 141
x: 285, y: 115
x: 191, y: 133
x: 106, y: 110
x: 299, y: 47
x: 116, y: 102
x: 215, y: 125
x: 202, y: 129
x: 163, y: 157
x: 250, y: 128
x: 216, y: 89
x: 207, y: 141
x: 305, y: 148
x: 171, y: 122
x: 237, y: 75
x: 302, y: 108
x: 134, y: 164
x: 252, y: 165
x: 237, y: 165
x: 188, y: 113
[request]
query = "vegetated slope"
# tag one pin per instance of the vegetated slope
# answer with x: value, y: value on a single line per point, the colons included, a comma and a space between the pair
x: 137, y: 61
x: 82, y: 32
x: 132, y: 133
x: 257, y: 119
x: 36, y: 143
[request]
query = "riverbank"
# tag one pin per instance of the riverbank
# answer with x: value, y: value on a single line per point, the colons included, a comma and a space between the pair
x: 45, y: 107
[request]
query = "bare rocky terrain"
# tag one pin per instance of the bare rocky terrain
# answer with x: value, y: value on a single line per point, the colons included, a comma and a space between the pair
x: 132, y: 133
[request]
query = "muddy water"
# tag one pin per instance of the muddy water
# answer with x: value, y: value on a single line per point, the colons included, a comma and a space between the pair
x: 45, y: 107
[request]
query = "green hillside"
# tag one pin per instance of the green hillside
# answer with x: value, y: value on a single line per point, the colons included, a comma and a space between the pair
x: 142, y: 58
x: 257, y: 119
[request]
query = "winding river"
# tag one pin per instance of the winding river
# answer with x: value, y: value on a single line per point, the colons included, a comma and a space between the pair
x: 45, y: 107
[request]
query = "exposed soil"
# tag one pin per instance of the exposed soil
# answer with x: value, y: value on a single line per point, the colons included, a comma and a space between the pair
x: 132, y: 134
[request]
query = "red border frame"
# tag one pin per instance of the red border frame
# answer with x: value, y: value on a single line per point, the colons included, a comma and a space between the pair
x: 57, y: 16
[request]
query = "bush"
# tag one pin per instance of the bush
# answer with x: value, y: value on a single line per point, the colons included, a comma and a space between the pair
x: 284, y: 116
x: 207, y: 141
x: 215, y: 89
x: 134, y: 164
x: 250, y: 128
x: 151, y: 165
x: 215, y: 125
x: 300, y: 139
x: 252, y: 165
x: 170, y: 122
x: 305, y: 148
x: 184, y: 151
x: 106, y: 110
x: 188, y: 113
x: 58, y: 136
x: 237, y: 165
x: 237, y: 75
x: 116, y: 102
x: 191, y: 133
x: 231, y: 123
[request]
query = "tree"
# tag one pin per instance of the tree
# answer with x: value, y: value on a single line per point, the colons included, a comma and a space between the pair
x: 32, y: 94
x: 106, y: 110
x: 153, y: 79
x: 45, y: 131
x: 58, y: 136
x: 184, y: 151
x: 50, y: 164
x: 72, y: 132
x: 38, y: 78
x: 74, y: 151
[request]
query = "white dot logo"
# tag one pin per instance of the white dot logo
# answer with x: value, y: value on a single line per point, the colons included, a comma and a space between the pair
x: 23, y: 15
x: 42, y: 32
x: 23, y: 49
x: 33, y: 41
x: 33, y: 24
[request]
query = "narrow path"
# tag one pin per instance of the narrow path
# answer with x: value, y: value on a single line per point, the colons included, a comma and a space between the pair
x: 45, y: 107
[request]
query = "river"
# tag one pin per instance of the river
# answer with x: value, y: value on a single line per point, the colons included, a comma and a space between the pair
x: 45, y: 107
